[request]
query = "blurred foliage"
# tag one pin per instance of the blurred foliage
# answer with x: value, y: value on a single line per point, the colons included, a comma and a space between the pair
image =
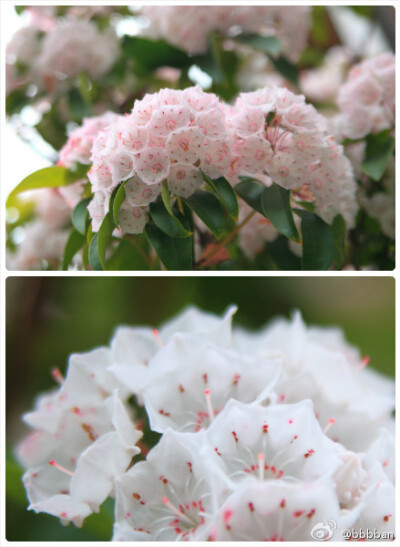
x: 49, y: 318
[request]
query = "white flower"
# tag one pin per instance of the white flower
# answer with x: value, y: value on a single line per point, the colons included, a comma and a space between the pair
x: 191, y: 381
x: 83, y: 439
x: 277, y: 511
x: 320, y: 366
x: 173, y: 495
x: 274, y: 442
x: 133, y: 348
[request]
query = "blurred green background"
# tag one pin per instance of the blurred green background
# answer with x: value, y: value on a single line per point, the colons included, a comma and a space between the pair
x: 48, y: 318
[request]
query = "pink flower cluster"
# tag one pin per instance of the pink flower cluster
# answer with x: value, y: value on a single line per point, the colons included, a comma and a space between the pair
x: 189, y: 26
x: 67, y: 49
x: 277, y: 137
x: 169, y: 136
x: 366, y: 100
x: 270, y: 134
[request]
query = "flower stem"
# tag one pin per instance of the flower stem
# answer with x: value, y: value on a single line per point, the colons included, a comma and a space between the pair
x: 227, y: 240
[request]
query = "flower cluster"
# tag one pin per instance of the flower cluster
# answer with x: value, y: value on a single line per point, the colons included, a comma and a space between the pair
x: 366, y: 100
x: 271, y: 135
x: 263, y: 435
x: 169, y: 136
x: 41, y: 242
x: 278, y: 137
x: 65, y: 50
x: 189, y: 27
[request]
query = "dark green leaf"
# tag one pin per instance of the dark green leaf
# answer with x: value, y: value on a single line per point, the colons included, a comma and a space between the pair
x: 225, y: 193
x: 75, y: 242
x: 52, y: 128
x: 116, y: 200
x: 151, y: 54
x: 207, y: 207
x: 16, y: 100
x: 165, y: 220
x: 267, y: 44
x: 283, y: 258
x: 126, y: 258
x: 174, y: 253
x: 377, y: 154
x: 318, y: 242
x: 99, y: 243
x: 251, y: 191
x: 80, y: 216
x: 287, y: 69
x: 339, y: 232
x: 276, y: 205
x: 48, y: 177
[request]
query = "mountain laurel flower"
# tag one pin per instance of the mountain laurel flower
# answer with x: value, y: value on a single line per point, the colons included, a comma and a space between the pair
x: 278, y: 137
x: 366, y: 100
x: 261, y: 436
x: 190, y: 26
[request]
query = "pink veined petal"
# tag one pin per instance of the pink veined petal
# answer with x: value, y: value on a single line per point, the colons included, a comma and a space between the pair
x: 139, y: 194
x: 169, y: 118
x: 152, y: 165
x: 184, y: 179
x: 132, y: 220
x: 186, y: 145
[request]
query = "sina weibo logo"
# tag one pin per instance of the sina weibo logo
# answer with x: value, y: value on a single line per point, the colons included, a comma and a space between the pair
x: 323, y: 532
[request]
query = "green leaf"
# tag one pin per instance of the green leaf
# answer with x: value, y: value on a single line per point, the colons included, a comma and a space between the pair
x: 318, y: 242
x: 116, y: 200
x: 377, y: 154
x: 339, y: 231
x: 99, y: 243
x: 225, y: 193
x: 75, y: 242
x: 151, y: 54
x: 251, y: 191
x: 80, y: 216
x: 165, y: 220
x: 276, y: 205
x: 207, y: 207
x: 268, y: 44
x: 174, y: 253
x: 48, y: 177
x: 126, y: 258
x: 287, y: 69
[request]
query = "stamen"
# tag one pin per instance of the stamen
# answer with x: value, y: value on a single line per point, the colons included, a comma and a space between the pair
x: 166, y: 501
x: 209, y: 404
x: 328, y: 425
x: 61, y: 468
x: 261, y: 465
x: 58, y: 377
x: 157, y: 336
x: 364, y: 362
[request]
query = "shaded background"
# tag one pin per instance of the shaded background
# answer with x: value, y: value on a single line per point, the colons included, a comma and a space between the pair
x: 48, y: 318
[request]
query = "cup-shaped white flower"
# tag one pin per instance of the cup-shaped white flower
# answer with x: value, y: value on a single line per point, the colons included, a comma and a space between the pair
x: 194, y: 379
x: 350, y: 402
x: 133, y: 348
x: 84, y: 462
x: 277, y: 511
x: 174, y: 495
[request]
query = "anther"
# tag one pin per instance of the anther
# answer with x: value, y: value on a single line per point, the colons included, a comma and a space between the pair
x: 166, y: 501
x: 364, y: 362
x: 58, y: 377
x: 157, y: 336
x: 328, y: 425
x: 61, y: 468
